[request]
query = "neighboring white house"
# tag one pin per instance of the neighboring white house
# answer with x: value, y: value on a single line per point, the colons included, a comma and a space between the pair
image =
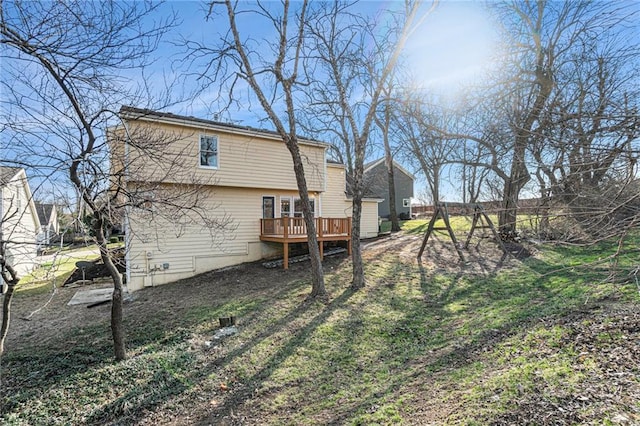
x: 49, y: 226
x: 20, y: 223
x: 250, y: 180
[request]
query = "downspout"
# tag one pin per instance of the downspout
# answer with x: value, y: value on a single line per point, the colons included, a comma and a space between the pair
x: 127, y: 208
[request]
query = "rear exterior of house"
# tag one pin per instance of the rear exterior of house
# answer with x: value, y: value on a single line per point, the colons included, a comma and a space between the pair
x: 377, y: 182
x: 19, y: 220
x: 240, y: 175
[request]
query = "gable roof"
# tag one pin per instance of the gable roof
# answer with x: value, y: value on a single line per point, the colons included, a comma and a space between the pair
x: 44, y: 212
x: 368, y: 192
x: 133, y: 113
x: 7, y: 173
x: 371, y: 165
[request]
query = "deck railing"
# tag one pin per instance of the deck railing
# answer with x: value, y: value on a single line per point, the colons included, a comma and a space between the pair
x: 295, y: 227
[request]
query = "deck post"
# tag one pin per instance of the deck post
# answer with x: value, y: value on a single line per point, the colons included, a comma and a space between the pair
x: 286, y: 255
x: 285, y: 223
x: 350, y: 235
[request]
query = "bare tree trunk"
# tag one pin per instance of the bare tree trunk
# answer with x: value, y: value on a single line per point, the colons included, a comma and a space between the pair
x: 117, y: 329
x: 518, y: 178
x: 6, y: 313
x: 436, y: 184
x: 289, y: 136
x: 393, y: 214
x: 317, y: 273
x: 358, y: 280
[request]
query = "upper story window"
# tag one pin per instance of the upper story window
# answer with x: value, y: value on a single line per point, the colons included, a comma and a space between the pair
x: 19, y: 199
x: 209, y: 151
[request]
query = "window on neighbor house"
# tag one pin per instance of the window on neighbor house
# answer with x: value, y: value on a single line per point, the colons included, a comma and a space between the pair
x: 18, y: 199
x: 406, y: 202
x: 209, y: 151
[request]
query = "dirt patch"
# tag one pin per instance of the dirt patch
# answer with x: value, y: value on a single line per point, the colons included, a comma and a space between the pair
x: 483, y: 256
x: 43, y: 318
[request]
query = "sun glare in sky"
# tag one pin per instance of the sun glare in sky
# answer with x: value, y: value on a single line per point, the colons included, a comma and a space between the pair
x: 454, y: 45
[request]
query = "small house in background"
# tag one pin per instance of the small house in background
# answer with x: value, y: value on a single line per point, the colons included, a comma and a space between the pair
x: 19, y: 220
x: 49, y: 226
x: 377, y: 182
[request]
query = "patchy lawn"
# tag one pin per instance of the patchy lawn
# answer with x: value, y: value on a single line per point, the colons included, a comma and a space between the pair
x: 56, y: 268
x: 494, y: 340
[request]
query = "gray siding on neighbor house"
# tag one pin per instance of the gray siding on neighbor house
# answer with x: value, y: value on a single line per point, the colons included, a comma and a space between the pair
x: 377, y: 184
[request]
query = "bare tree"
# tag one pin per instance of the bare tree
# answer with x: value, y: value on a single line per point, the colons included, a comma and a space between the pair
x: 274, y: 78
x: 346, y: 101
x: 383, y: 121
x: 422, y: 125
x: 563, y: 104
x: 63, y: 76
x: 588, y: 148
x: 544, y: 38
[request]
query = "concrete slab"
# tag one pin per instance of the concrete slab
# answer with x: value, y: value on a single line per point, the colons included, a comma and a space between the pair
x: 84, y: 297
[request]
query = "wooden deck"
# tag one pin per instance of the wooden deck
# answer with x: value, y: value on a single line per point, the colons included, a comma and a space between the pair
x: 287, y: 230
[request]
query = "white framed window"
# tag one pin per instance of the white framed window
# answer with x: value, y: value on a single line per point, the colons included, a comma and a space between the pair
x: 285, y: 207
x: 209, y: 151
x: 19, y: 199
x: 292, y: 206
x: 297, y: 206
x: 406, y: 202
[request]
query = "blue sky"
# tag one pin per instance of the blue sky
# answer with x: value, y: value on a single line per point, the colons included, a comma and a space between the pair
x: 450, y: 48
x: 453, y: 46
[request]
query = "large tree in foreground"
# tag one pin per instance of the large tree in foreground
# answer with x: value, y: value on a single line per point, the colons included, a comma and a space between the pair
x: 560, y: 86
x: 354, y: 58
x: 64, y: 78
x: 273, y: 69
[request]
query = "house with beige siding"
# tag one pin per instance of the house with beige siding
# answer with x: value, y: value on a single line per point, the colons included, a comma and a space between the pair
x: 19, y: 222
x: 242, y: 176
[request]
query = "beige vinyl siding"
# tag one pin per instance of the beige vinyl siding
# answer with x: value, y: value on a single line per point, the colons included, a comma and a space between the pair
x: 19, y: 227
x: 369, y: 219
x: 249, y: 167
x: 243, y: 161
x: 334, y: 199
x: 336, y: 204
x: 193, y: 249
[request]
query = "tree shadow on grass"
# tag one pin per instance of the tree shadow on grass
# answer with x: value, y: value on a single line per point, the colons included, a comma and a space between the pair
x: 163, y: 387
x: 241, y: 394
x: 462, y: 345
x: 86, y: 350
